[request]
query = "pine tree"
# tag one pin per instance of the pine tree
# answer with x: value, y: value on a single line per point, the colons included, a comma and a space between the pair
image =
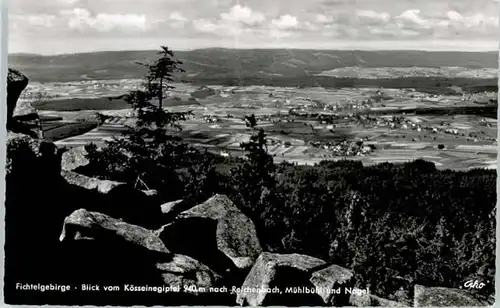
x: 149, y: 152
x: 254, y: 180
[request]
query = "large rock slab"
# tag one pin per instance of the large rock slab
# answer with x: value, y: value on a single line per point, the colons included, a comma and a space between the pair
x: 444, y: 297
x: 85, y: 225
x: 333, y: 277
x: 105, y: 250
x: 215, y: 232
x: 281, y: 271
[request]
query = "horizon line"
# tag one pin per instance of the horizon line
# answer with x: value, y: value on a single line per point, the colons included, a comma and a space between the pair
x: 256, y: 48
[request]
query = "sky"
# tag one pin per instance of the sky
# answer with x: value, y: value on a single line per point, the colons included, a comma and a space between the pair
x: 72, y: 26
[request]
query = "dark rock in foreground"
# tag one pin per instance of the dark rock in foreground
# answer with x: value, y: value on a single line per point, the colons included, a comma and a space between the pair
x: 216, y: 233
x: 281, y: 271
x: 105, y: 250
x: 444, y: 297
x: 34, y: 209
x: 236, y: 234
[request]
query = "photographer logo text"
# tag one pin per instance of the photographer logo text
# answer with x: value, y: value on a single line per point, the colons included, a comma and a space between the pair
x: 474, y: 284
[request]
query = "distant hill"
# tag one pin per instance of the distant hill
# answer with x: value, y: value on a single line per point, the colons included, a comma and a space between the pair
x: 223, y: 64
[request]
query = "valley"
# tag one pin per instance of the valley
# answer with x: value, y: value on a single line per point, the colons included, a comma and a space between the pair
x: 305, y: 125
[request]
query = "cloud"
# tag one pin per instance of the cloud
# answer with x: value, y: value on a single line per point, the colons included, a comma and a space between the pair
x: 175, y: 20
x: 176, y: 16
x: 82, y: 20
x: 38, y: 20
x: 203, y: 25
x: 285, y: 22
x: 236, y: 22
x: 243, y: 14
x: 67, y: 2
x: 373, y: 16
x: 412, y: 17
x: 323, y: 19
x: 454, y: 16
x: 257, y: 22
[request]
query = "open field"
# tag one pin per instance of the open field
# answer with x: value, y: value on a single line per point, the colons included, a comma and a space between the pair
x: 313, y: 124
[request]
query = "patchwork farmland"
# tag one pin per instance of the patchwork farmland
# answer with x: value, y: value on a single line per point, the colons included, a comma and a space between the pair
x: 308, y: 125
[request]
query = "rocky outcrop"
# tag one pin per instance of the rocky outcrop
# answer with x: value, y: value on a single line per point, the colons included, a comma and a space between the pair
x: 444, y: 297
x: 98, y: 248
x: 16, y: 83
x: 35, y: 207
x: 21, y: 116
x: 216, y: 233
x: 280, y: 271
x: 84, y: 225
x: 105, y: 250
x: 74, y: 158
x: 333, y: 277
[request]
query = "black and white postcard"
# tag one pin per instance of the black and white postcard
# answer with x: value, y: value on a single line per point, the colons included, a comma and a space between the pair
x: 251, y: 153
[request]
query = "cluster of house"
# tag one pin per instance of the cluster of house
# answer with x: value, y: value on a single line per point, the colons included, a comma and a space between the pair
x: 345, y: 148
x: 211, y: 118
x: 277, y: 119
